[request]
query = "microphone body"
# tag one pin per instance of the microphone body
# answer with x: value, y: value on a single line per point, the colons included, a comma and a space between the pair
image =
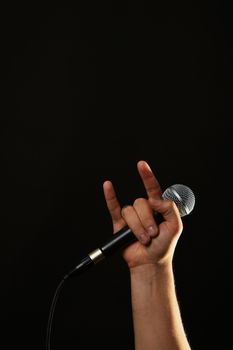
x: 120, y: 239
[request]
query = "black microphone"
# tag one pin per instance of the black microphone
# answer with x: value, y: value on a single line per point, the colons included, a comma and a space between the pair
x: 184, y: 199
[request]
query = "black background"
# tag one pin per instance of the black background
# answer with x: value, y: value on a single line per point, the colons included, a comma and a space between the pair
x: 86, y: 92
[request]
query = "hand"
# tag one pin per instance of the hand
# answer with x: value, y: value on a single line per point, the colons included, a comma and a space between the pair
x: 156, y: 243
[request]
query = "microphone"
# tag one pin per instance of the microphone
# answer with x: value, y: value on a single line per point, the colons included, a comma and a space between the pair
x: 184, y: 199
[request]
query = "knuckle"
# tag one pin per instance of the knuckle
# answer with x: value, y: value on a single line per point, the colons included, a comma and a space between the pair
x: 139, y: 201
x: 179, y: 227
x: 170, y: 205
x: 126, y: 209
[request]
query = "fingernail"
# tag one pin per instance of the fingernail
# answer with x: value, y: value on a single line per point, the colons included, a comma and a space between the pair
x: 152, y: 230
x: 147, y: 165
x: 144, y: 238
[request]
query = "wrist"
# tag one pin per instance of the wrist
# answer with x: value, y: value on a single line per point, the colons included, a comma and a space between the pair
x: 151, y: 268
x: 150, y: 272
x: 149, y: 283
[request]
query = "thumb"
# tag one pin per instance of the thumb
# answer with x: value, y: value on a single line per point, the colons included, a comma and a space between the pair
x: 169, y: 211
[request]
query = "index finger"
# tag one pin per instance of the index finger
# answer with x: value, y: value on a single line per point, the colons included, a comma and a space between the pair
x: 149, y: 180
x: 112, y: 202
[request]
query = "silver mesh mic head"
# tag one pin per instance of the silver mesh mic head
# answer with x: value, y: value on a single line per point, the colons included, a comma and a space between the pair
x: 183, y: 197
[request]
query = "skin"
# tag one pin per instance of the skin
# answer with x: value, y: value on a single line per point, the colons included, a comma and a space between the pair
x: 156, y: 314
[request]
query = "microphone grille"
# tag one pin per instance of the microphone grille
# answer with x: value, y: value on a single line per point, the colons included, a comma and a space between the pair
x: 183, y: 197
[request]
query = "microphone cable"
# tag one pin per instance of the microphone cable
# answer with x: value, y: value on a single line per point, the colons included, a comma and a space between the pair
x: 51, y: 314
x: 82, y: 266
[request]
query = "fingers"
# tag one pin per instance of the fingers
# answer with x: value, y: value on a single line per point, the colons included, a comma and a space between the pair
x: 169, y: 211
x: 139, y: 218
x: 113, y: 205
x: 149, y: 180
x: 112, y: 201
x: 145, y: 214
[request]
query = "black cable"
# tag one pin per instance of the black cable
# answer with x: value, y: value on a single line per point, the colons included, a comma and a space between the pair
x: 51, y: 313
x: 82, y: 266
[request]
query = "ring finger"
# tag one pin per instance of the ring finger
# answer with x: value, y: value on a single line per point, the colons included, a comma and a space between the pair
x: 133, y: 221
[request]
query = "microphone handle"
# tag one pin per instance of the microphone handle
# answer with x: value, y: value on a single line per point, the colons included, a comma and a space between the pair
x: 118, y: 240
x: 123, y: 237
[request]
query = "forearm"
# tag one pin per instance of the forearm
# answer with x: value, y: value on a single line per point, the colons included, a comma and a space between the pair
x: 156, y: 315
